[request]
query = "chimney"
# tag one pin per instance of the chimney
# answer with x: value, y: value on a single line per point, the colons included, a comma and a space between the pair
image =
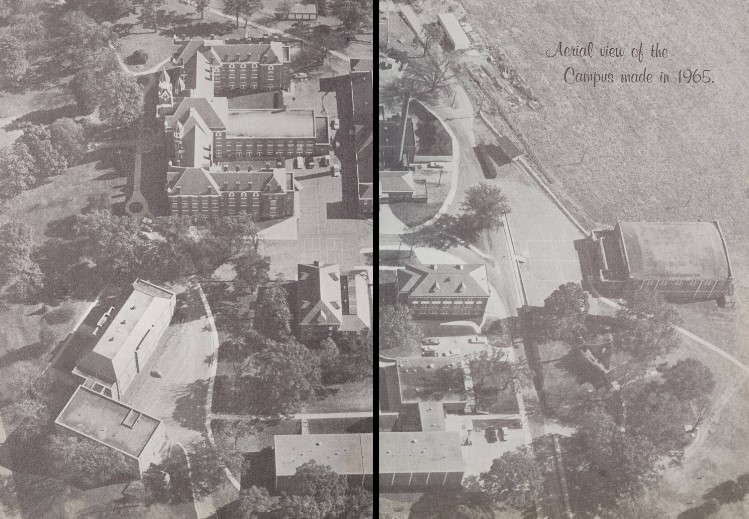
x: 210, y: 190
x: 317, y: 263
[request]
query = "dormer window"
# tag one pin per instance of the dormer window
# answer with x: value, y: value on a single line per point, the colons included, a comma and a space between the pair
x: 254, y: 65
x: 243, y: 65
x: 270, y: 67
x: 244, y: 195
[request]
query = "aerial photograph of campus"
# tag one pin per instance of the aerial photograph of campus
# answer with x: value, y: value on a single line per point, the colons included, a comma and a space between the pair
x: 563, y: 259
x: 186, y: 259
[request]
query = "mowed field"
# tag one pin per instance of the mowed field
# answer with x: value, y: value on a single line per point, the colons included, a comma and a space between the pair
x: 647, y: 152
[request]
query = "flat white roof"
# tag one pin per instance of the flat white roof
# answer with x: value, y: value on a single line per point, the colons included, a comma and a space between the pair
x: 454, y: 31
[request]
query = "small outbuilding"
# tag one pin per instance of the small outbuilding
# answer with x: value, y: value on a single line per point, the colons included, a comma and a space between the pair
x: 302, y: 12
x: 457, y: 36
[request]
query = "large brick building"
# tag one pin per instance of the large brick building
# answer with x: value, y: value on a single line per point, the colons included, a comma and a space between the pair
x: 228, y: 68
x: 127, y: 339
x: 684, y: 261
x: 265, y: 194
x: 443, y: 291
x: 355, y: 99
x: 330, y: 302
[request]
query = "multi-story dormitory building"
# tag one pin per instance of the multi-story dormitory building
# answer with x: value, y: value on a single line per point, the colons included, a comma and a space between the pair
x: 207, y: 134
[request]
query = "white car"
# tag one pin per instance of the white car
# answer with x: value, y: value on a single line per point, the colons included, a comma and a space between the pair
x: 335, y: 124
x: 477, y: 339
x: 299, y: 75
x: 452, y: 353
x: 437, y: 165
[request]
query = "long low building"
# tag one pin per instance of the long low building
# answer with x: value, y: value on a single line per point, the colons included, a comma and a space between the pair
x: 419, y: 461
x: 685, y: 261
x: 127, y: 339
x: 135, y: 435
x: 349, y: 455
x: 458, y: 37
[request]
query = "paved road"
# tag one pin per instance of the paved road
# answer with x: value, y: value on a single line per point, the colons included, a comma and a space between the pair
x: 178, y: 397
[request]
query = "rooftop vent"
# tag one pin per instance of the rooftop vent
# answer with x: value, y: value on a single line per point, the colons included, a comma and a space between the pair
x: 461, y: 288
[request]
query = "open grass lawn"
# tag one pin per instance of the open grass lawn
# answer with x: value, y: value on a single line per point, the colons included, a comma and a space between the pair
x: 348, y: 397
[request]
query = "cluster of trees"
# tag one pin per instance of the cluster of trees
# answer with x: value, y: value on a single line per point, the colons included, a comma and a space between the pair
x: 20, y: 275
x: 398, y: 331
x: 40, y: 153
x: 241, y: 8
x: 102, y: 10
x: 318, y: 493
x: 628, y: 428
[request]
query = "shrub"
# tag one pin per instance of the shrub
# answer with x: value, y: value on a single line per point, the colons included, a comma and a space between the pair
x: 139, y: 57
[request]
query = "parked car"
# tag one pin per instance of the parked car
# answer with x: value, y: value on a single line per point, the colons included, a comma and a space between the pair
x: 325, y: 161
x: 490, y: 434
x: 336, y: 170
x: 428, y: 351
x: 299, y: 75
x: 437, y: 165
x: 309, y: 162
x: 477, y: 339
x: 431, y: 341
x: 452, y: 353
x: 279, y: 164
x: 298, y: 163
x: 335, y: 123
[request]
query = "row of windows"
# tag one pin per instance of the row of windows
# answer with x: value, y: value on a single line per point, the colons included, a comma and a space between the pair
x: 241, y: 65
x: 438, y: 302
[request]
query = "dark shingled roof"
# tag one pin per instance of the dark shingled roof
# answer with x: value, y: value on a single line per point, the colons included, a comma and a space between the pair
x: 508, y: 148
x: 674, y: 250
x: 468, y: 280
x: 204, y: 107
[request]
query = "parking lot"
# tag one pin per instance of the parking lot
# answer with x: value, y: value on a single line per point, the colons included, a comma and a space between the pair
x: 321, y: 234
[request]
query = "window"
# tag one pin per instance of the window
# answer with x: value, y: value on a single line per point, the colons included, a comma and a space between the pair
x: 244, y: 195
x: 254, y: 65
x: 231, y: 65
x: 243, y: 65
x: 270, y: 68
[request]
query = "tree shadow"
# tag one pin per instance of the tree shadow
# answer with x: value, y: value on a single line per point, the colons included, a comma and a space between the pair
x: 445, y: 233
x: 28, y: 352
x: 202, y: 29
x: 189, y: 405
x: 258, y: 469
x: 43, y: 117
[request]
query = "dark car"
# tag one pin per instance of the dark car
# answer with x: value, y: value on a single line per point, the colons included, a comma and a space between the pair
x: 491, y: 435
x: 309, y: 162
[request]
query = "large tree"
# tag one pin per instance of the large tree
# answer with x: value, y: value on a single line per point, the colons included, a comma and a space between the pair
x: 239, y: 8
x: 397, y: 329
x: 16, y: 170
x: 69, y: 138
x: 319, y: 482
x: 289, y: 375
x: 272, y: 313
x: 19, y: 271
x: 482, y: 209
x: 453, y: 504
x: 13, y: 62
x: 255, y: 503
x: 252, y: 270
x: 84, y: 462
x: 9, y: 8
x: 84, y: 35
x: 240, y: 231
x: 48, y: 160
x: 120, y: 98
x: 430, y: 75
x: 658, y: 416
x: 689, y: 379
x: 644, y: 325
x: 201, y: 6
x: 622, y: 460
x: 513, y: 480
x: 352, y: 13
x: 564, y: 314
x: 150, y: 13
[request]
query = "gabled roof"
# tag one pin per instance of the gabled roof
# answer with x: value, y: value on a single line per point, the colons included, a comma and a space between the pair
x: 396, y: 181
x: 467, y: 280
x: 199, y: 76
x: 213, y: 111
x: 319, y: 294
x: 192, y: 181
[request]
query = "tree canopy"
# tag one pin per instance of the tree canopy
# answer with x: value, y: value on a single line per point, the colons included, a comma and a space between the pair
x: 84, y: 462
x: 397, y: 329
x: 482, y: 209
x: 13, y: 61
x: 289, y: 375
x: 564, y: 314
x: 689, y: 379
x: 513, y: 480
x: 19, y: 271
x: 69, y: 138
x: 272, y: 313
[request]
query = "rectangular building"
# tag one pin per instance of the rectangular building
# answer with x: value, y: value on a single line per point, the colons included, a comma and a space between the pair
x: 455, y: 33
x: 444, y: 291
x: 302, y: 12
x: 128, y: 338
x: 266, y: 194
x: 355, y: 100
x: 135, y: 435
x: 349, y: 455
x: 420, y: 461
x: 330, y: 302
x: 234, y: 68
x: 684, y: 261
